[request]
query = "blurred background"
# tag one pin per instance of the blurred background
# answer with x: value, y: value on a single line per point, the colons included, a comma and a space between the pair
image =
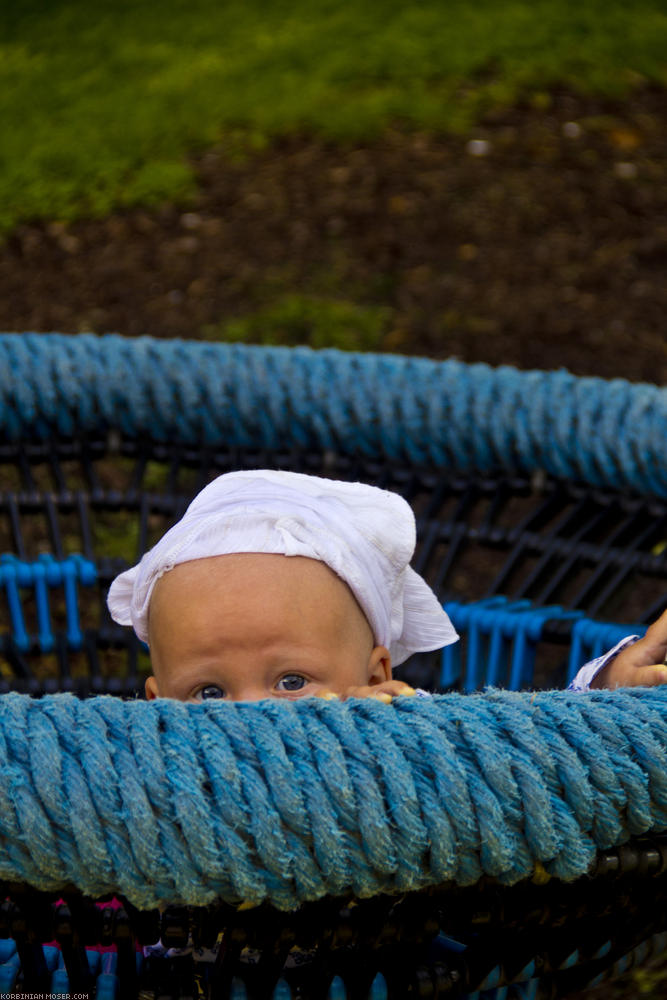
x: 486, y: 181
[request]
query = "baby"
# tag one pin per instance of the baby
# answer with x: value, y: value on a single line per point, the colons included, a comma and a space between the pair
x: 282, y: 585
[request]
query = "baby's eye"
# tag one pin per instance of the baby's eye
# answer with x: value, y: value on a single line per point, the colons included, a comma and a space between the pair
x: 210, y: 691
x: 291, y: 682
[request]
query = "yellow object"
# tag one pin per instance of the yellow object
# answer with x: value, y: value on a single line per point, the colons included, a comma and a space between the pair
x: 540, y: 875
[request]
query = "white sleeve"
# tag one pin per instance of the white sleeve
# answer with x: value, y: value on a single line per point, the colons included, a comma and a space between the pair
x: 589, y: 671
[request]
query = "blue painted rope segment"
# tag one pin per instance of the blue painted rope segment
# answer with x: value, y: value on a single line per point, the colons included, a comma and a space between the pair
x: 9, y: 973
x: 103, y: 969
x: 44, y: 573
x: 170, y: 802
x: 446, y: 415
x: 502, y: 640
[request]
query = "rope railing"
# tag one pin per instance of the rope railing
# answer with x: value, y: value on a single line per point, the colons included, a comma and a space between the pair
x: 290, y: 802
x: 442, y: 414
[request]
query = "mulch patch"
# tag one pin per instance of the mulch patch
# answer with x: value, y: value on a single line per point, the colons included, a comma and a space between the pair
x: 539, y: 240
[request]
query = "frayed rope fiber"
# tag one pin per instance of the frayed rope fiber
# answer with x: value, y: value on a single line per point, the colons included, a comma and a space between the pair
x: 441, y: 414
x: 287, y: 802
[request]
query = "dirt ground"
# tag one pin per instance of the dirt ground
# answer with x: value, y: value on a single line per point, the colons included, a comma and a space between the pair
x: 539, y: 240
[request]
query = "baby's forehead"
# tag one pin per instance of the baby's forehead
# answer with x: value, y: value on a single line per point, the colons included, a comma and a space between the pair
x: 250, y: 578
x: 284, y: 595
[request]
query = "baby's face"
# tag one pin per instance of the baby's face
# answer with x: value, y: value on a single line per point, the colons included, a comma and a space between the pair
x: 251, y: 626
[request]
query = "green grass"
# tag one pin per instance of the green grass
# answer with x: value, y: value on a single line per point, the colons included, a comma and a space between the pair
x: 100, y: 103
x: 306, y: 319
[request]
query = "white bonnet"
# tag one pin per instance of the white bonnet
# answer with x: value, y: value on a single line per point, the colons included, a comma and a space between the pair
x: 364, y: 534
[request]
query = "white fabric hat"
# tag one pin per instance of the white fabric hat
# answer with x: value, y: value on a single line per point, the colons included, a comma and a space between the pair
x: 364, y: 534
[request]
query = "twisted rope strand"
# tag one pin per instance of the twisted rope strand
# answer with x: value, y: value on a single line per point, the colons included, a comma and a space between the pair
x: 169, y: 802
x: 448, y: 415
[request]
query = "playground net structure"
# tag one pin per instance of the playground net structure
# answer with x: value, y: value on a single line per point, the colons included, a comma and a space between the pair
x: 542, y: 527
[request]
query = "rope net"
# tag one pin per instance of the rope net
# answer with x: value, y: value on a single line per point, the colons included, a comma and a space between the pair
x: 444, y: 414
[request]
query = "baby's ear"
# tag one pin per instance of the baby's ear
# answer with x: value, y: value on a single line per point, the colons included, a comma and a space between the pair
x: 151, y: 688
x: 379, y: 666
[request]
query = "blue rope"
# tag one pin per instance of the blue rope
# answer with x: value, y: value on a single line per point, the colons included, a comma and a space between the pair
x: 447, y: 415
x: 41, y: 574
x: 102, y: 968
x: 289, y: 802
x: 502, y: 639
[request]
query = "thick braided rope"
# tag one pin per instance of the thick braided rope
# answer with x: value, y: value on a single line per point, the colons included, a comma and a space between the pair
x: 289, y: 802
x: 446, y: 415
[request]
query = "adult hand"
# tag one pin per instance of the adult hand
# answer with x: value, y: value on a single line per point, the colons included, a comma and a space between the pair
x: 641, y: 664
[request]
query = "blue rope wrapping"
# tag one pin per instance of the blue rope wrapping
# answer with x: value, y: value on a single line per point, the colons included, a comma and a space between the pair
x: 41, y: 574
x: 502, y: 642
x: 447, y: 415
x: 170, y: 802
